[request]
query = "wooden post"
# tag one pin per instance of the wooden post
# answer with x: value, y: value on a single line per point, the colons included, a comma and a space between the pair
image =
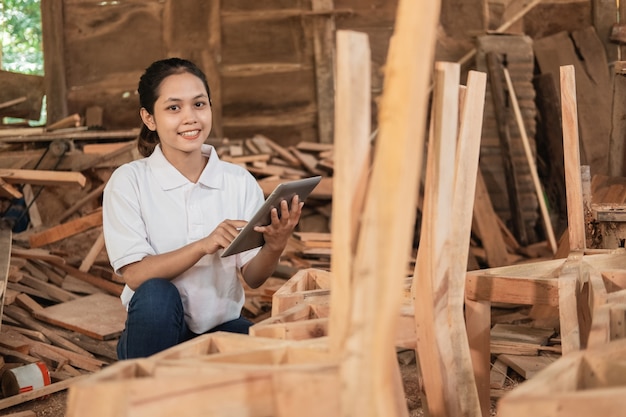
x: 52, y: 25
x: 384, y: 241
x: 323, y: 33
x: 573, y: 181
x: 352, y: 163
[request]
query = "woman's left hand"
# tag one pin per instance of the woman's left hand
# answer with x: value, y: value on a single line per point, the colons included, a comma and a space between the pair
x: 277, y: 233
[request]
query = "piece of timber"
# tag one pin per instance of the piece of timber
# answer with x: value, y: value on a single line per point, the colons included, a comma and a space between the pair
x: 370, y: 375
x: 65, y: 230
x: 42, y: 177
x: 571, y: 147
x: 5, y: 261
x: 352, y: 155
x: 104, y: 284
x: 324, y: 49
x: 100, y: 316
x: 37, y: 136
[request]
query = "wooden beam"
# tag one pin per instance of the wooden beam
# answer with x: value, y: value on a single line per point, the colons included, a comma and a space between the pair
x: 571, y: 150
x: 323, y: 46
x: 52, y: 25
x: 65, y: 230
x: 384, y: 241
x: 352, y: 154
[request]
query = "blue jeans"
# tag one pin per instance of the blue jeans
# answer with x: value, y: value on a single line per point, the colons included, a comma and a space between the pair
x: 156, y: 321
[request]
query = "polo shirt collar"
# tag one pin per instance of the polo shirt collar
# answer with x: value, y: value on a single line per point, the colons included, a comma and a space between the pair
x: 170, y: 178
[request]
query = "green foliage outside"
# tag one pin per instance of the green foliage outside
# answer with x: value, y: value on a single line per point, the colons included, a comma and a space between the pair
x: 20, y: 36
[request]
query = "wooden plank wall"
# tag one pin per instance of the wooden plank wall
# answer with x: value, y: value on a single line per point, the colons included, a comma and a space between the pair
x: 268, y: 63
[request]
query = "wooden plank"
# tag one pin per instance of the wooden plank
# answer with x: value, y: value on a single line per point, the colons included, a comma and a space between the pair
x: 5, y: 261
x: 23, y: 317
x: 351, y: 172
x: 486, y: 226
x: 617, y: 150
x: 573, y: 180
x: 93, y: 253
x: 100, y: 316
x: 384, y: 238
x: 478, y: 322
x: 65, y: 230
x: 430, y: 291
x: 498, y: 374
x: 104, y: 284
x: 54, y: 64
x: 323, y: 47
x: 33, y: 209
x: 457, y: 353
x: 42, y: 177
x: 514, y: 290
x: 526, y: 366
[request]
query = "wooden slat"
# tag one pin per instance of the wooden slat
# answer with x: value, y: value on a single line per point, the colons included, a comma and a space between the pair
x: 352, y: 162
x: 457, y: 353
x: 386, y: 232
x: 573, y: 181
x: 429, y: 289
x: 323, y: 47
x: 42, y: 177
x: 65, y: 230
x: 5, y: 260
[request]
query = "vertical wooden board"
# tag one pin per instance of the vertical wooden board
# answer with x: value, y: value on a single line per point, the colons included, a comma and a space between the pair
x: 54, y: 64
x: 384, y: 239
x: 617, y: 149
x: 352, y: 156
x: 323, y: 42
x: 605, y: 15
x: 465, y: 176
x: 573, y: 180
x: 5, y: 260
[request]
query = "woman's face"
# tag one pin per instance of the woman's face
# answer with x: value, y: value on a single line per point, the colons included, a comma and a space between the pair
x: 182, y: 114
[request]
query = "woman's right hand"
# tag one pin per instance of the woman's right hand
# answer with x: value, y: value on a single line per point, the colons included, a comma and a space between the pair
x: 223, y: 234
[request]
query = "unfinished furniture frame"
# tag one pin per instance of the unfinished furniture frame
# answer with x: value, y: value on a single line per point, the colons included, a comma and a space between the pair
x: 589, y: 382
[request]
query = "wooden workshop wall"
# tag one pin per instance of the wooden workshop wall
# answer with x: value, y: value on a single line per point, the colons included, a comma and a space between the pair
x: 269, y: 63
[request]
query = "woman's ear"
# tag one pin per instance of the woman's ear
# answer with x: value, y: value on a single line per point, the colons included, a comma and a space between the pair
x: 147, y: 118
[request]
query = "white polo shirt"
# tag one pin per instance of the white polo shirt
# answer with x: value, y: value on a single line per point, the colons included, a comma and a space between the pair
x: 150, y: 208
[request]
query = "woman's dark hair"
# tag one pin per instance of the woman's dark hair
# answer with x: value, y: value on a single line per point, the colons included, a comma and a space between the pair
x: 148, y: 90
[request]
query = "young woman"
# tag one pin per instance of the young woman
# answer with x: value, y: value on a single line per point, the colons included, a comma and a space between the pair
x: 168, y: 216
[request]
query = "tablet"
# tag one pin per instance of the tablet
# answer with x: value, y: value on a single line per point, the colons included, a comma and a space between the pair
x: 248, y: 238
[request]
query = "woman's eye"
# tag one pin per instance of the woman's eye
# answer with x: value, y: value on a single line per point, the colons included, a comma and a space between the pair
x: 174, y: 107
x: 200, y: 104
